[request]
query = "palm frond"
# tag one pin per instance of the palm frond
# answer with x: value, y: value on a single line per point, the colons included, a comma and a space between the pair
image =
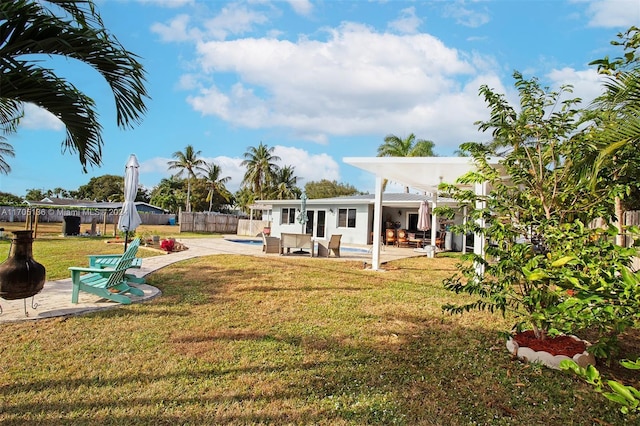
x: 31, y: 84
x: 28, y: 30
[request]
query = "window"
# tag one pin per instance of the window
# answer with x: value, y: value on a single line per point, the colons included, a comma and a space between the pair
x: 288, y: 216
x: 321, y: 225
x: 346, y: 218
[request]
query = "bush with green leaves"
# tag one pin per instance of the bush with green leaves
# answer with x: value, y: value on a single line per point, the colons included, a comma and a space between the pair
x: 541, y: 262
x: 627, y: 396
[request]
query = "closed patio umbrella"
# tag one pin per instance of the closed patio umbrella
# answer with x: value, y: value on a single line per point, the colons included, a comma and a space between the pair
x: 302, y: 218
x: 424, y: 217
x: 129, y: 218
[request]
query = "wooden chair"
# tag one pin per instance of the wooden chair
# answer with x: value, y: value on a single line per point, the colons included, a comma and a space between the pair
x: 402, y: 239
x: 390, y: 236
x: 109, y: 283
x: 332, y: 245
x: 271, y: 244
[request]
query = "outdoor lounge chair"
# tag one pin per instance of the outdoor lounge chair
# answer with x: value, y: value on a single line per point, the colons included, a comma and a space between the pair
x: 390, y: 236
x: 402, y: 239
x: 109, y: 283
x: 324, y: 249
x: 271, y: 244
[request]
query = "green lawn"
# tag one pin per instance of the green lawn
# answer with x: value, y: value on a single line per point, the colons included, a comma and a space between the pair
x: 242, y: 340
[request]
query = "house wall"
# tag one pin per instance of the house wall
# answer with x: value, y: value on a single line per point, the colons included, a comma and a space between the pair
x: 357, y: 235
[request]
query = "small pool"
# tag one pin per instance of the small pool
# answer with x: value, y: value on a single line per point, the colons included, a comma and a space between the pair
x: 250, y: 242
x: 354, y: 250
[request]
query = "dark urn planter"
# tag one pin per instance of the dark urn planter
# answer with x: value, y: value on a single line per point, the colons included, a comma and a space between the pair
x: 20, y: 275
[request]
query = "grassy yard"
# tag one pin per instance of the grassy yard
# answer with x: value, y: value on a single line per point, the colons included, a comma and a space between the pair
x: 243, y: 340
x: 57, y: 253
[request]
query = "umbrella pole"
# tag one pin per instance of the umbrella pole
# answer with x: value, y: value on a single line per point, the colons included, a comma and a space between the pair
x: 126, y: 238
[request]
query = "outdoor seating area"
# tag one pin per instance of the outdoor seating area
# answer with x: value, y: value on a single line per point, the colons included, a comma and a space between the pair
x: 405, y: 239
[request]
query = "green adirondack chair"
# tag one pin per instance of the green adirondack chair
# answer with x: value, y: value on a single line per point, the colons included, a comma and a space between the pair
x: 110, y: 260
x: 109, y: 283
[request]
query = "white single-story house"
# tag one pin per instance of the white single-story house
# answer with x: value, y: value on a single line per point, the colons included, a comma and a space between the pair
x: 353, y: 217
x: 356, y: 218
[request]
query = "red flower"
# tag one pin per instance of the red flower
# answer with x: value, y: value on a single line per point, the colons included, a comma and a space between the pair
x: 167, y: 245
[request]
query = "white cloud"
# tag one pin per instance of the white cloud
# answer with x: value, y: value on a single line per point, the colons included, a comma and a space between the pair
x: 37, y: 118
x: 407, y: 23
x: 155, y: 165
x: 587, y: 84
x: 309, y: 167
x: 169, y: 3
x: 233, y: 19
x: 465, y: 16
x: 358, y: 81
x: 301, y: 7
x: 188, y: 82
x: 613, y: 13
x: 176, y: 30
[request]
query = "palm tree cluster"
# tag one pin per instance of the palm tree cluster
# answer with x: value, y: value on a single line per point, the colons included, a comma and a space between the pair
x: 264, y: 179
x: 189, y: 162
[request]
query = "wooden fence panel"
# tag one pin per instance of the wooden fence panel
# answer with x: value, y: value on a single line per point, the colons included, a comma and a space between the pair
x: 208, y: 223
x: 253, y: 227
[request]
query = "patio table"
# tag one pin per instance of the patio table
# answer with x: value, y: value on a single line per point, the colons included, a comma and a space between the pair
x: 296, y: 241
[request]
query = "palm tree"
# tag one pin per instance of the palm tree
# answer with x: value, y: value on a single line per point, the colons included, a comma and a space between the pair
x: 617, y: 113
x: 244, y: 198
x: 285, y: 184
x: 29, y: 30
x: 216, y: 183
x: 187, y: 161
x: 261, y: 168
x: 393, y: 146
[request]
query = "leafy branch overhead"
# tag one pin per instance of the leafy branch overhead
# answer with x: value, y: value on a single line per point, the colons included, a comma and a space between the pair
x: 30, y: 29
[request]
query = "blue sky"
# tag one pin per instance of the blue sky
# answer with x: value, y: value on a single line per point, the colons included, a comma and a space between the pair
x: 317, y: 80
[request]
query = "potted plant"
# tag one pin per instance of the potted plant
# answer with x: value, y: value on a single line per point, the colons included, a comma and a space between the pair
x: 541, y: 263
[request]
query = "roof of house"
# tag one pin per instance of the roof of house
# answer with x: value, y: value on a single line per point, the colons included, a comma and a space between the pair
x: 84, y: 204
x: 397, y: 199
x: 420, y: 173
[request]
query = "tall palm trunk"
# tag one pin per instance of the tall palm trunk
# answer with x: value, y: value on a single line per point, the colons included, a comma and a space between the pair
x: 620, y: 238
x: 188, y: 195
